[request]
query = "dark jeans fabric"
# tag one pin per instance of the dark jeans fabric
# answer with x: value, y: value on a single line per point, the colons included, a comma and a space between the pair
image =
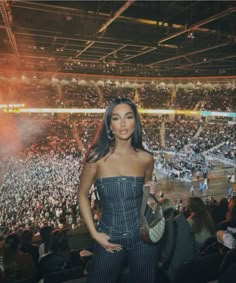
x: 141, y: 260
x: 121, y: 199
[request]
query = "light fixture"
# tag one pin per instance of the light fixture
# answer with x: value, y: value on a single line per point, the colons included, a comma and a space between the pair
x: 191, y: 35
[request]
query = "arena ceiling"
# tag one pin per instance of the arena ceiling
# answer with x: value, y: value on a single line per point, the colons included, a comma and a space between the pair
x: 125, y: 38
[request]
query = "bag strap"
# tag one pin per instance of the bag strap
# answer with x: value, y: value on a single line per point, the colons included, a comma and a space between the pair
x: 175, y: 232
x: 143, y: 207
x: 146, y: 195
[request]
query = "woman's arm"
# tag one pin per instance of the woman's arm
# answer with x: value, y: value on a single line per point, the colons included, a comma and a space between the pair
x: 149, y: 168
x: 226, y: 239
x: 148, y: 175
x: 86, y: 180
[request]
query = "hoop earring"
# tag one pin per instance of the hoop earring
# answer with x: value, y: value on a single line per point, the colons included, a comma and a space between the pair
x: 110, y: 135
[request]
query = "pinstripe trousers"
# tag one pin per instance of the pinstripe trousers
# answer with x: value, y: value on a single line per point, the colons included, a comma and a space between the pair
x: 121, y: 199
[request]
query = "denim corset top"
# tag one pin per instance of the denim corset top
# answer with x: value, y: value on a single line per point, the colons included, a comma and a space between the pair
x: 121, y: 199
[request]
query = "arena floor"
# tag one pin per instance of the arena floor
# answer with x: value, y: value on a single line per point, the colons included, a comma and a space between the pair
x: 217, y: 186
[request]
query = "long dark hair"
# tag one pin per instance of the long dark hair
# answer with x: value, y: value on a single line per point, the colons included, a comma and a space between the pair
x: 201, y: 219
x: 104, y: 140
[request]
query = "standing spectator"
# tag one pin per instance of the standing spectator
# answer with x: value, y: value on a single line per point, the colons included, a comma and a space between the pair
x: 205, y: 172
x: 192, y: 190
x: 206, y: 184
x: 230, y: 192
x: 229, y: 177
x: 198, y: 175
x: 119, y: 165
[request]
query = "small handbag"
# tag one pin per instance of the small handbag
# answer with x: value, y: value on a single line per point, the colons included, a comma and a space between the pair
x: 152, y: 221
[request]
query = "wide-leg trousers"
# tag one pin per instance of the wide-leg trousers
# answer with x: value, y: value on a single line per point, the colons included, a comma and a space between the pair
x: 140, y: 257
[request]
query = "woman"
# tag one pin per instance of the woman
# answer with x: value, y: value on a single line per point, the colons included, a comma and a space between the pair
x: 118, y: 166
x: 200, y: 221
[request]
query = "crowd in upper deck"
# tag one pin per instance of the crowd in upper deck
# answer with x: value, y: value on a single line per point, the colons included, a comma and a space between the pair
x: 91, y: 94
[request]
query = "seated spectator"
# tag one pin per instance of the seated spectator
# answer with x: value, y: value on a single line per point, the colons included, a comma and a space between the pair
x: 60, y: 255
x: 218, y: 211
x: 226, y: 236
x: 26, y: 245
x: 220, y: 262
x: 230, y: 216
x: 200, y: 221
x: 17, y: 265
x: 1, y: 251
x: 177, y: 243
x: 45, y: 233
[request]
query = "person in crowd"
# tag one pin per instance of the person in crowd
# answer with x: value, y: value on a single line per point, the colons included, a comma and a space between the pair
x: 230, y: 221
x: 230, y: 192
x: 17, y: 265
x: 226, y: 231
x: 27, y: 246
x: 119, y: 166
x: 60, y: 256
x: 192, y: 190
x: 1, y: 250
x: 217, y: 263
x: 218, y: 211
x: 205, y: 172
x: 45, y: 233
x: 226, y: 235
x: 198, y: 173
x: 200, y: 221
x: 177, y: 244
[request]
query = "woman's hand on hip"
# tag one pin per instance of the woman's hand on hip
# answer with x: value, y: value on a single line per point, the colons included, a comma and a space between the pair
x: 103, y: 240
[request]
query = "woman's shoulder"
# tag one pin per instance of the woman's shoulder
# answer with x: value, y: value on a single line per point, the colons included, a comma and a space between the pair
x: 145, y: 155
x: 90, y: 166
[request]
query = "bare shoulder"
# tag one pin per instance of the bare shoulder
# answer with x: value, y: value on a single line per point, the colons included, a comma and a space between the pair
x: 145, y: 156
x: 87, y: 177
x: 147, y: 160
x: 89, y: 170
x: 90, y: 166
